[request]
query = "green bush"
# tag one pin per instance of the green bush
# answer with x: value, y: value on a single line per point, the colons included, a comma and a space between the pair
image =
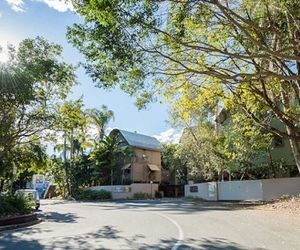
x: 93, y: 195
x: 15, y: 204
x: 141, y: 196
x: 159, y: 194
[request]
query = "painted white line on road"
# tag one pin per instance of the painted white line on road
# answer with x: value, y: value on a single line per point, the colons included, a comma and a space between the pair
x: 180, y: 231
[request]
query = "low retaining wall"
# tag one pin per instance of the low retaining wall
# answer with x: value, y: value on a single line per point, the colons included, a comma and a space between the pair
x: 128, y: 191
x: 21, y: 219
x: 266, y: 189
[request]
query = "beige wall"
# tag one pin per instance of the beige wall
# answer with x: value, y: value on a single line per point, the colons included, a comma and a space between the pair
x: 144, y: 188
x: 275, y: 188
x: 128, y: 191
x: 139, y: 169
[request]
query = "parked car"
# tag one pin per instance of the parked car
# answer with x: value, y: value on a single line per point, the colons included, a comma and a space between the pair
x: 31, y: 194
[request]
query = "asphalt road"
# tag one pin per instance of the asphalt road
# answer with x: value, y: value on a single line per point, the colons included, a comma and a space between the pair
x: 168, y: 224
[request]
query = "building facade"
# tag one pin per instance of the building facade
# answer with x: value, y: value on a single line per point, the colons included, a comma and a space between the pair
x: 144, y: 166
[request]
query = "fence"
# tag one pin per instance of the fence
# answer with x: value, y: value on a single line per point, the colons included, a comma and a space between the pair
x: 128, y: 191
x: 266, y: 189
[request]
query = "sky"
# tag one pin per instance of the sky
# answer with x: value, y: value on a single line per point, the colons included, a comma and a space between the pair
x: 20, y: 19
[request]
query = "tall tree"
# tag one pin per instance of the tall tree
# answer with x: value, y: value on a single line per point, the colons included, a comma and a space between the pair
x: 173, y: 161
x: 100, y: 118
x: 71, y: 128
x: 108, y: 155
x: 33, y: 82
x: 247, y: 49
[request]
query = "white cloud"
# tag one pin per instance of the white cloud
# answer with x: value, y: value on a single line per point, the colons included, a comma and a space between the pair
x: 169, y: 136
x: 59, y: 5
x: 16, y: 5
x: 1, y: 14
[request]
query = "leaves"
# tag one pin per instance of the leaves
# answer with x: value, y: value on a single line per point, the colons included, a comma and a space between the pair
x: 34, y: 82
x: 100, y: 118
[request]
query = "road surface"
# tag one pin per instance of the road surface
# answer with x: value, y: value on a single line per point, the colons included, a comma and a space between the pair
x: 166, y: 224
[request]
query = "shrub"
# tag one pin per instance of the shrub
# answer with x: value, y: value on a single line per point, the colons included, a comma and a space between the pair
x: 285, y: 197
x: 159, y: 194
x: 93, y: 195
x: 141, y: 196
x: 15, y: 204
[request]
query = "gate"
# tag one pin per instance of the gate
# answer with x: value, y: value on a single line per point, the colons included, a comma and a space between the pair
x: 172, y: 191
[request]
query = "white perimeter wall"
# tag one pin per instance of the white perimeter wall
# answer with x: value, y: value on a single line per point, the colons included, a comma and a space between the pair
x: 266, y: 189
x: 205, y: 191
x: 240, y: 190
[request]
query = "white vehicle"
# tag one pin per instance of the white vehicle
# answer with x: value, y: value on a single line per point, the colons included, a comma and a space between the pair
x: 32, y: 194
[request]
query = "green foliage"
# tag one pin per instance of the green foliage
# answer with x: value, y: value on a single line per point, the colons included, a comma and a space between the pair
x: 100, y: 118
x: 141, y: 196
x: 32, y: 84
x: 70, y: 129
x: 198, y: 54
x: 93, y: 195
x: 237, y: 147
x: 108, y: 155
x: 56, y: 170
x: 158, y: 194
x: 82, y: 173
x: 15, y: 204
x: 110, y: 49
x: 174, y: 162
x: 72, y: 115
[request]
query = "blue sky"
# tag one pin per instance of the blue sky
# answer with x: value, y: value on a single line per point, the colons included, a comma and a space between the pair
x: 21, y: 19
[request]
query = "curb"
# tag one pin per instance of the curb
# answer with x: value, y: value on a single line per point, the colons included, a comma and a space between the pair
x: 21, y: 221
x: 16, y: 226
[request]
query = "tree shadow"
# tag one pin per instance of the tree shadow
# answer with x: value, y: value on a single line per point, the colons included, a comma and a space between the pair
x: 178, y: 206
x: 207, y: 244
x: 221, y: 243
x: 59, y: 217
x: 13, y: 242
x: 109, y: 237
x: 97, y: 240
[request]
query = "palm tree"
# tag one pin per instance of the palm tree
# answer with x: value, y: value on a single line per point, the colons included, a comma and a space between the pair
x: 100, y: 118
x: 108, y: 153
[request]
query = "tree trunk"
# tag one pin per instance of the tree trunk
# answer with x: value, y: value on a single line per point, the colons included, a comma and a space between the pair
x: 102, y: 133
x: 271, y: 164
x: 65, y: 165
x: 1, y: 185
x: 111, y: 177
x: 295, y: 147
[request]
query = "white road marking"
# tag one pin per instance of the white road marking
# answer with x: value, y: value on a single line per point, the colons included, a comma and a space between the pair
x: 180, y: 231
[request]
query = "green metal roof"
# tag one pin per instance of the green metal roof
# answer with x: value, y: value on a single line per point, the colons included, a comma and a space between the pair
x: 139, y: 140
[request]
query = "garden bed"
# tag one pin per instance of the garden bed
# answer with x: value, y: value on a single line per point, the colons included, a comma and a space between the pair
x: 287, y: 205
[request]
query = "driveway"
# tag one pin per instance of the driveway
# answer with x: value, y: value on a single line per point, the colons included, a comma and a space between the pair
x: 167, y: 224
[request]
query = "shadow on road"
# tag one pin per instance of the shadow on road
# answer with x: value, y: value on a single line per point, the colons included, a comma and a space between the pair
x: 15, y: 243
x: 106, y: 237
x: 175, y: 206
x: 207, y: 244
x: 59, y: 217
